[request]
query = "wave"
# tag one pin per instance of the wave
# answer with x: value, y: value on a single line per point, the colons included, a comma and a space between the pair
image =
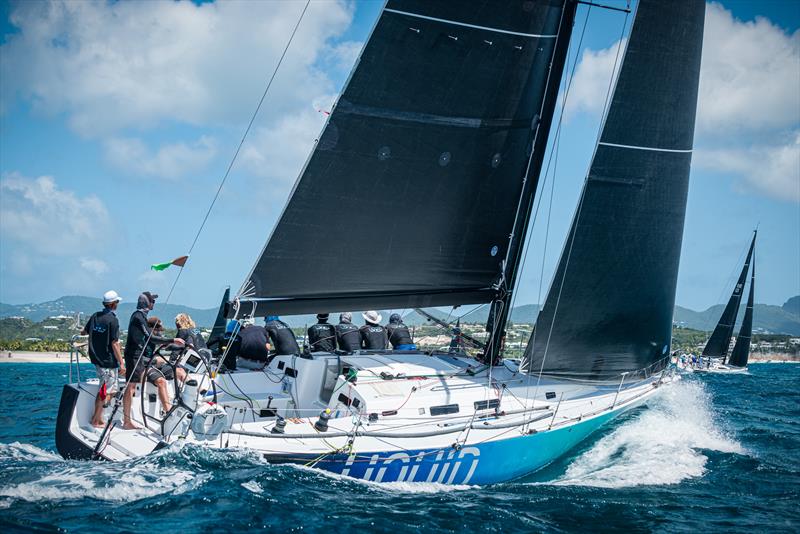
x: 34, y: 474
x: 662, y: 445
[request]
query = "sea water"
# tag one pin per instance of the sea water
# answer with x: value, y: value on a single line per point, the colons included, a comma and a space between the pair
x: 714, y: 453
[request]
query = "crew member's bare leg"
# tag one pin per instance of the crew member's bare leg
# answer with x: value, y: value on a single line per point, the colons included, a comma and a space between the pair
x: 127, y: 401
x: 97, y: 417
x: 163, y: 394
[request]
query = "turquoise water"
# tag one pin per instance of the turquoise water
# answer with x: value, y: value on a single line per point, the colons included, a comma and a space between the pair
x: 717, y: 453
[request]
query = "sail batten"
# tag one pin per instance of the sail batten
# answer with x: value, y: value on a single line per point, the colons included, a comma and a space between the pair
x: 412, y: 189
x: 609, y: 308
x: 719, y: 342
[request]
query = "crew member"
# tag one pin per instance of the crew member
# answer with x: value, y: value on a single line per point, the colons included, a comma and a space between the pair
x: 398, y: 333
x: 282, y: 337
x: 159, y: 371
x: 322, y: 336
x: 188, y: 332
x: 348, y: 336
x: 251, y: 346
x: 373, y: 335
x: 139, y: 335
x: 104, y: 352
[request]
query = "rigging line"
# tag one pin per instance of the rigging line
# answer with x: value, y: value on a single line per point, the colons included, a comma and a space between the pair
x: 225, y: 177
x: 554, y: 149
x: 556, y: 139
x: 525, y: 176
x: 249, y: 126
x: 578, y: 214
x: 709, y: 320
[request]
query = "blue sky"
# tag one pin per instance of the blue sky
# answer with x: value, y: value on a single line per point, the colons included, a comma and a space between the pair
x: 118, y: 119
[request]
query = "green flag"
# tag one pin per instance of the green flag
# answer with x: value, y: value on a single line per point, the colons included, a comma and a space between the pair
x: 180, y: 262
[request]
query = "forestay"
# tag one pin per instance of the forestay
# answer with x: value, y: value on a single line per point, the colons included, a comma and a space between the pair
x: 411, y: 193
x: 609, y: 308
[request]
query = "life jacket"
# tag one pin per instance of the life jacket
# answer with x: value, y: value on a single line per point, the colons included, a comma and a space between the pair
x: 348, y: 337
x: 322, y: 337
x: 398, y: 334
x: 374, y: 337
x: 282, y: 337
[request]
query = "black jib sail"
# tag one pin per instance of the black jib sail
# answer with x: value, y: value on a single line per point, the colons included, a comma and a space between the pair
x: 609, y: 308
x: 220, y: 322
x: 720, y: 339
x: 741, y: 350
x: 414, y: 187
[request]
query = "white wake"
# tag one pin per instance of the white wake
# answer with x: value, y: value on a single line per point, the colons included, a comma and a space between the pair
x: 664, y: 444
x: 52, y: 478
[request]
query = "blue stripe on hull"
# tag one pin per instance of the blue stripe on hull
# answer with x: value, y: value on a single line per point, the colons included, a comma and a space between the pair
x: 486, y: 463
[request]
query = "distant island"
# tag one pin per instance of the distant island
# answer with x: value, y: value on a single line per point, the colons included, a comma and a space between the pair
x: 768, y: 319
x: 48, y: 326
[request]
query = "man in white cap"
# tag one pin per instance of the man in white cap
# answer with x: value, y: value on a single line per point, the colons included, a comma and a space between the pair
x: 373, y: 335
x: 104, y: 352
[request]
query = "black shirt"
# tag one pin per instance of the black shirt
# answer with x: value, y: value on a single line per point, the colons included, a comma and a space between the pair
x: 103, y: 330
x: 398, y: 334
x: 348, y: 337
x: 322, y: 337
x: 138, y: 332
x: 252, y: 343
x: 193, y: 337
x: 282, y: 337
x: 373, y: 337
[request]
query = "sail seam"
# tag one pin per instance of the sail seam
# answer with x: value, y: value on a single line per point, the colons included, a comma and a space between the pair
x: 496, y: 30
x: 654, y: 149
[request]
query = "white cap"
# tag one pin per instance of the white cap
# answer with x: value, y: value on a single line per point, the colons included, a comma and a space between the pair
x: 110, y: 296
x: 372, y: 317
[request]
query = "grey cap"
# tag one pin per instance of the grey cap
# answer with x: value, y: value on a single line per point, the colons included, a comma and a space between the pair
x: 346, y: 317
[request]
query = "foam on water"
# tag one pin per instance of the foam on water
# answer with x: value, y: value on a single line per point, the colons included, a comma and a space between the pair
x: 662, y: 445
x: 51, y: 478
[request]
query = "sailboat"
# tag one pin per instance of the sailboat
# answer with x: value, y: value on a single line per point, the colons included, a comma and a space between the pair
x: 430, y: 161
x: 715, y: 352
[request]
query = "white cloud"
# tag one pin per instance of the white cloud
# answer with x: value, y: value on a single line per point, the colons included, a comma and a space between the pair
x: 589, y: 87
x: 133, y: 156
x: 49, y: 220
x: 279, y: 150
x: 750, y: 75
x: 770, y: 169
x: 94, y: 266
x: 748, y: 110
x: 113, y: 65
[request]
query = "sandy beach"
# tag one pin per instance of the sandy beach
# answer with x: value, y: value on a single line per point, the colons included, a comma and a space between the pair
x: 36, y: 357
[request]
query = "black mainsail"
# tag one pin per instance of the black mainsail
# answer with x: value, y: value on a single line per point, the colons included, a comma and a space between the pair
x: 609, y: 308
x: 720, y: 339
x: 741, y: 350
x: 427, y: 165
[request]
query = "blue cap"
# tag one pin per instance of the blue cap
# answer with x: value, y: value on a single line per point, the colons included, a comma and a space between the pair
x: 269, y: 318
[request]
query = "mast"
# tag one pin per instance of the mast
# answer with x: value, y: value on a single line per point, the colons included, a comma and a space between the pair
x: 500, y: 311
x: 741, y: 350
x: 720, y: 339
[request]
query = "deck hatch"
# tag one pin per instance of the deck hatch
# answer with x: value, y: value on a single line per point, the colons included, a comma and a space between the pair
x: 444, y: 409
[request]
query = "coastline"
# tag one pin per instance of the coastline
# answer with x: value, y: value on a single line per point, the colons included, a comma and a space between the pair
x: 35, y: 357
x: 63, y: 357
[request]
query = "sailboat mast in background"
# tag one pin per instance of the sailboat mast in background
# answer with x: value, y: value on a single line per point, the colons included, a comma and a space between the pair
x: 719, y: 342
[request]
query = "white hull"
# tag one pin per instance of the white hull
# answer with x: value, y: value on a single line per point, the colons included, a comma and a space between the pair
x: 408, y: 416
